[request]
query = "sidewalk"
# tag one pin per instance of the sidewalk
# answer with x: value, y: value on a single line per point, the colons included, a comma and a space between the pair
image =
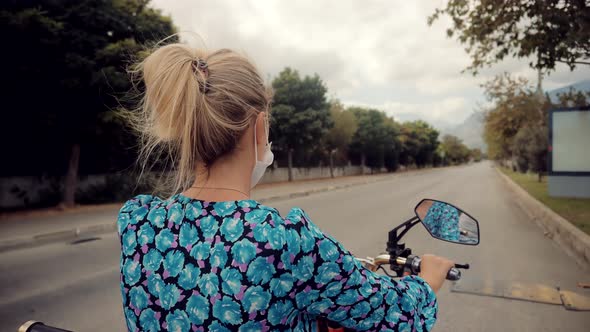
x: 35, y: 228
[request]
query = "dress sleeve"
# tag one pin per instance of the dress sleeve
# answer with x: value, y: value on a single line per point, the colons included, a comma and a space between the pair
x: 330, y: 282
x: 133, y: 211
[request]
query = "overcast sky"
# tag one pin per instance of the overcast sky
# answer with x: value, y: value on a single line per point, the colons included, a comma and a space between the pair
x: 372, y: 53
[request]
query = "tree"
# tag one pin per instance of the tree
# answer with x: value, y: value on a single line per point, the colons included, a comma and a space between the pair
x: 516, y: 125
x: 550, y: 31
x: 419, y: 142
x: 454, y: 151
x: 515, y: 104
x: 65, y: 76
x: 376, y: 140
x: 530, y: 149
x: 300, y: 116
x: 391, y: 145
x: 476, y: 154
x: 340, y: 135
x: 573, y: 98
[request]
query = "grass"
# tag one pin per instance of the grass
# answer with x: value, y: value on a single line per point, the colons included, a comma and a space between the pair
x: 576, y: 210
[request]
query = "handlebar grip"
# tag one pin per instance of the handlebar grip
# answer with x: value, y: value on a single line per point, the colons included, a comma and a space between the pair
x: 33, y: 326
x: 414, y: 265
x: 454, y: 274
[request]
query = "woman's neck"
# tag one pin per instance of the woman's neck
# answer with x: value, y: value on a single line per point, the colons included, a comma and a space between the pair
x: 223, y: 181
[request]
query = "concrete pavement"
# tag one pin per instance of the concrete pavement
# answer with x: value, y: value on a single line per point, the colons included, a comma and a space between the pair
x: 75, y: 286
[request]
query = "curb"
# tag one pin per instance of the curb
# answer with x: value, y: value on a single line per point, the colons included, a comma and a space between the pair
x: 317, y: 190
x: 105, y: 228
x: 52, y: 237
x: 567, y: 236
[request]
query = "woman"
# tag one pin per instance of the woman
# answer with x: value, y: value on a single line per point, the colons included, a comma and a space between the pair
x: 210, y: 257
x: 442, y: 221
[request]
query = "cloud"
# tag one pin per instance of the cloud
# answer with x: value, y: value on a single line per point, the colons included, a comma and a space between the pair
x: 379, y: 53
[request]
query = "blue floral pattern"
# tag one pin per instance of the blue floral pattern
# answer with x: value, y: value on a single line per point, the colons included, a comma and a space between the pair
x: 191, y: 265
x: 442, y: 221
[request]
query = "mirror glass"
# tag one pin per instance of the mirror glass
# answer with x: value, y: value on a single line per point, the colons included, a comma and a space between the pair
x: 446, y: 222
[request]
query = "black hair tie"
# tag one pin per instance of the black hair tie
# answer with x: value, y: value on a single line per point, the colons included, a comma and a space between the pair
x: 201, y: 66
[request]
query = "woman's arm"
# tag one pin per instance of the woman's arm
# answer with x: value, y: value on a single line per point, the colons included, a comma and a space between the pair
x: 330, y: 282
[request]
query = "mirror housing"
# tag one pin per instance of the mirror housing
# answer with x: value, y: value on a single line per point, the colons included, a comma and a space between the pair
x: 447, y: 222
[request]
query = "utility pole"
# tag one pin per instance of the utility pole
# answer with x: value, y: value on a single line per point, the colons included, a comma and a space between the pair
x: 539, y: 91
x: 539, y: 81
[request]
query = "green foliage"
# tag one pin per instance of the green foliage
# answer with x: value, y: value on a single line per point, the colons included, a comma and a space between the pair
x: 376, y: 138
x: 340, y: 135
x: 476, y: 154
x: 300, y: 116
x: 516, y: 125
x: 515, y: 104
x: 67, y: 69
x: 550, y: 31
x: 304, y: 93
x: 530, y: 148
x: 453, y: 150
x: 419, y: 142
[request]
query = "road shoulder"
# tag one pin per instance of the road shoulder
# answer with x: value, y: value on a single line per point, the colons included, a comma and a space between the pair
x: 572, y: 240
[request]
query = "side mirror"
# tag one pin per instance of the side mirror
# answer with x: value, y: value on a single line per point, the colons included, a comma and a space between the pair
x: 447, y: 222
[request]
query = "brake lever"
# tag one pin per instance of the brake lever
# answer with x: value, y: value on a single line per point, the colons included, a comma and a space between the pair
x: 462, y: 266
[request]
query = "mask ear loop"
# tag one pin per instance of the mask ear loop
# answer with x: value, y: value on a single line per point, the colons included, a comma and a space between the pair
x: 266, y: 131
x: 255, y: 146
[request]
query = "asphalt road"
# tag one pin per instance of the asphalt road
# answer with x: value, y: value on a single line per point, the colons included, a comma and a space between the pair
x: 75, y: 286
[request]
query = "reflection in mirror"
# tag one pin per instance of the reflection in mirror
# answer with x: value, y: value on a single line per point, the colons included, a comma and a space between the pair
x: 447, y: 222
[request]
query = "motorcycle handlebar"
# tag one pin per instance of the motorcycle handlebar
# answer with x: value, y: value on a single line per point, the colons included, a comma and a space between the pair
x: 412, y: 263
x: 415, y: 261
x: 34, y: 326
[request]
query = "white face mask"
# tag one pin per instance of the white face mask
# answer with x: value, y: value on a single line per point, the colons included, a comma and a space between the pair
x: 261, y: 165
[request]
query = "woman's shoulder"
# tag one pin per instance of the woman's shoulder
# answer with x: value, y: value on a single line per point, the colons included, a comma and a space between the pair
x: 140, y: 202
x: 297, y: 215
x: 255, y: 213
x: 258, y: 213
x: 135, y: 209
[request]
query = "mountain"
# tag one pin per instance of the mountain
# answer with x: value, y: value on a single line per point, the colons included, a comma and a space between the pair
x: 470, y: 131
x: 579, y: 86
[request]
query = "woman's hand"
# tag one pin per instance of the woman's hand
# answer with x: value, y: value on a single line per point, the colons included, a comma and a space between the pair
x: 434, y: 269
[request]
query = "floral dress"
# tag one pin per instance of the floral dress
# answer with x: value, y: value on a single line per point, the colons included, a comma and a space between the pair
x: 191, y: 265
x: 442, y: 221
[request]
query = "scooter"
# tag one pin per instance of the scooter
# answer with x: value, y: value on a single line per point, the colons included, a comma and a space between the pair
x: 442, y: 220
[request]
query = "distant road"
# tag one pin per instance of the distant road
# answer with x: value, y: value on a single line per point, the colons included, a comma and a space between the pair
x: 77, y: 286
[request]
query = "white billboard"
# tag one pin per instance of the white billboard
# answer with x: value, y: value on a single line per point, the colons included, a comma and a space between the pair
x: 570, y: 140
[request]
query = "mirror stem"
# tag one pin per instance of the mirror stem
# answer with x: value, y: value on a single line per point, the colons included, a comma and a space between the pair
x: 396, y: 249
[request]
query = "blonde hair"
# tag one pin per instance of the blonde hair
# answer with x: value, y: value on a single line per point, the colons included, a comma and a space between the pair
x: 195, y: 108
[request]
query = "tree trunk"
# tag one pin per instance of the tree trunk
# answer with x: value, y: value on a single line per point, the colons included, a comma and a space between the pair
x: 71, y: 180
x: 290, y: 163
x: 332, y: 164
x: 363, y: 159
x: 540, y: 176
